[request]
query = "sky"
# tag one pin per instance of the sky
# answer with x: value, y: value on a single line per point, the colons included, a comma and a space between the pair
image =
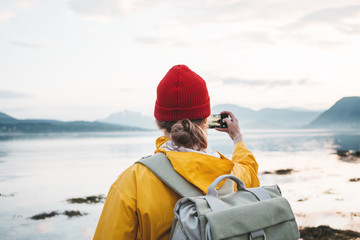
x: 86, y: 59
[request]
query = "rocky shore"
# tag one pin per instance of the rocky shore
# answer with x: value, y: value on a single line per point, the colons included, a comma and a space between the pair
x: 322, y: 232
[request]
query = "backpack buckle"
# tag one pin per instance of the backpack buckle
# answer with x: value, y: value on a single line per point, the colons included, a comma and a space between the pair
x: 257, y: 234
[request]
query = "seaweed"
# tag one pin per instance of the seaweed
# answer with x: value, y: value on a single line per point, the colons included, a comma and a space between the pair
x: 354, y: 179
x: 45, y: 215
x: 348, y: 155
x: 280, y: 171
x: 87, y: 200
x: 7, y: 195
x: 324, y: 232
x: 284, y: 171
x: 302, y: 199
x: 72, y: 213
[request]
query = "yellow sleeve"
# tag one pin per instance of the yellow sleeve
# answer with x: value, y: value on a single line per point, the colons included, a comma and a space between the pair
x: 118, y: 219
x: 246, y: 167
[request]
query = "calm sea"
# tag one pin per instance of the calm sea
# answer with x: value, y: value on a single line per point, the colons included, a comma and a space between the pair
x: 38, y: 173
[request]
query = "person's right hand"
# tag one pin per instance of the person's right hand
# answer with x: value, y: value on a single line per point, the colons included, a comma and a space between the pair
x: 233, y: 128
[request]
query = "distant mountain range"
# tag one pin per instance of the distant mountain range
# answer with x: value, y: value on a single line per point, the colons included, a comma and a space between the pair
x: 269, y: 117
x: 345, y: 114
x: 9, y: 125
x: 248, y: 118
x: 128, y: 118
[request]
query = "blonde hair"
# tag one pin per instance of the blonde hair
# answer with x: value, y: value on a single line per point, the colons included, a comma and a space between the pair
x: 186, y: 133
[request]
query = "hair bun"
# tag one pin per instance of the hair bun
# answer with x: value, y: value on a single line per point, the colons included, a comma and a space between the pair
x: 188, y: 134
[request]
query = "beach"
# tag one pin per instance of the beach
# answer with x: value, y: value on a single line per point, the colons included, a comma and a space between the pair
x: 320, y: 192
x: 53, y: 186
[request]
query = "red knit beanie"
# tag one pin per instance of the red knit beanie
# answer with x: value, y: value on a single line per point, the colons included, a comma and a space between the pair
x: 182, y: 94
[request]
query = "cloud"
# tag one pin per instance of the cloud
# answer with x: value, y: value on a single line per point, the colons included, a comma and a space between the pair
x: 270, y: 21
x: 125, y: 89
x: 27, y: 4
x: 265, y: 83
x: 103, y: 9
x: 345, y: 19
x: 90, y: 33
x: 161, y: 41
x: 181, y: 44
x: 41, y: 42
x: 148, y: 40
x: 4, y: 94
x: 260, y: 37
x: 251, y: 37
x: 324, y: 44
x: 6, y: 15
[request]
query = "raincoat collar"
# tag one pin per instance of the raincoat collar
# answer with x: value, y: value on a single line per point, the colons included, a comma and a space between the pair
x: 199, y: 168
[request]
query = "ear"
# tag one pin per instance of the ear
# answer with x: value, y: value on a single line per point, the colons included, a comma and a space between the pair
x: 166, y: 133
x: 204, y: 124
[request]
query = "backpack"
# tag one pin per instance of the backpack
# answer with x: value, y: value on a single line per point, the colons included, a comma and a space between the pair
x: 246, y: 214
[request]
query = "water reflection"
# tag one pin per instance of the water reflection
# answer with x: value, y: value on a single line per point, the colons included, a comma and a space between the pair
x: 28, y: 136
x: 281, y: 140
x: 347, y: 142
x: 45, y: 169
x: 2, y: 155
x: 277, y: 141
x: 346, y: 145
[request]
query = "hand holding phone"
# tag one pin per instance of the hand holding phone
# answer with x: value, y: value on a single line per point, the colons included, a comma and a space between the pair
x: 217, y: 121
x: 232, y: 127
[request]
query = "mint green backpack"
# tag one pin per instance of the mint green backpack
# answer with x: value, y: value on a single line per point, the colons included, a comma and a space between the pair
x: 246, y: 214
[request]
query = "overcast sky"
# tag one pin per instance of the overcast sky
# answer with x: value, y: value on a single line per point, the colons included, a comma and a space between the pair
x: 86, y: 59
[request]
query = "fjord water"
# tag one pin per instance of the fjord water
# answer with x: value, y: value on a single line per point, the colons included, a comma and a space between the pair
x: 38, y: 173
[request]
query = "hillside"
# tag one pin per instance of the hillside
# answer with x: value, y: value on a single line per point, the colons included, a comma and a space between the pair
x: 248, y: 118
x: 5, y: 118
x: 344, y: 114
x: 10, y: 125
x: 133, y: 119
x: 269, y: 117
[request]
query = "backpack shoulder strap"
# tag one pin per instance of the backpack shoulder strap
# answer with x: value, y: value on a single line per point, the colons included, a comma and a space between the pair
x: 161, y: 166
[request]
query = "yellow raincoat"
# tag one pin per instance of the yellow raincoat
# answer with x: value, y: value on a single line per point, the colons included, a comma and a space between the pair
x: 140, y: 206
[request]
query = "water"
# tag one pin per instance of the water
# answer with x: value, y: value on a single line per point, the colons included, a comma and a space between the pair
x: 39, y: 172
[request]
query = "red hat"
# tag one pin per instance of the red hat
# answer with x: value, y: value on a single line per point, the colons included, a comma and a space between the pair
x: 182, y: 94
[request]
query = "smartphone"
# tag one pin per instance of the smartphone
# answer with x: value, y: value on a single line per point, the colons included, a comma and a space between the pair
x: 217, y: 121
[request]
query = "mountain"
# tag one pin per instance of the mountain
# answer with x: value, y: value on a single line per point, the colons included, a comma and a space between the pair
x: 269, y: 117
x: 344, y: 114
x: 128, y: 118
x: 287, y: 117
x: 239, y: 112
x: 10, y: 124
x: 248, y: 118
x: 5, y: 118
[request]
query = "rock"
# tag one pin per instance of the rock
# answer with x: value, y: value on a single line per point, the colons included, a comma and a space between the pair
x: 302, y: 199
x: 280, y: 171
x: 327, y: 233
x: 71, y: 214
x: 7, y: 195
x: 87, y: 200
x: 354, y: 179
x: 44, y: 215
x: 348, y: 155
x: 356, y: 154
x: 284, y: 171
x: 342, y: 152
